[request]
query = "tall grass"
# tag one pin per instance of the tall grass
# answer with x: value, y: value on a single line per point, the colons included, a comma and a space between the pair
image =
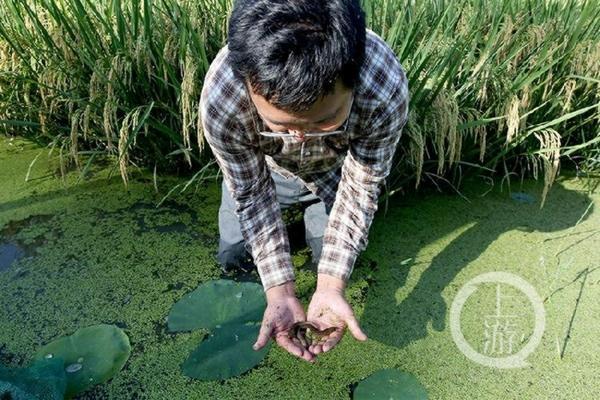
x: 504, y: 88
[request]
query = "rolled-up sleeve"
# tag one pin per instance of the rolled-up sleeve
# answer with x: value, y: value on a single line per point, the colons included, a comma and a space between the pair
x: 366, y: 166
x: 248, y: 179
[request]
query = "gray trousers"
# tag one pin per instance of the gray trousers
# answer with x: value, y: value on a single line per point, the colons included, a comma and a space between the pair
x: 232, y: 251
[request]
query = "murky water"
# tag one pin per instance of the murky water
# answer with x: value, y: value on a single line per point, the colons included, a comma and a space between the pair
x: 12, y: 247
x: 9, y: 253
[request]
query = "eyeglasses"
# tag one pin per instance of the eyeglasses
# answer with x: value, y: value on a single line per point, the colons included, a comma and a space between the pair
x: 308, y: 135
x: 312, y: 134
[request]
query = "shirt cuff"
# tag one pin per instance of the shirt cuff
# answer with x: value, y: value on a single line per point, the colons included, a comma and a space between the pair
x: 336, y: 259
x: 275, y: 270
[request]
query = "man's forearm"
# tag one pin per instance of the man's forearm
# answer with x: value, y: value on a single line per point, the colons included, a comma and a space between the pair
x: 284, y: 290
x: 330, y: 282
x: 365, y: 168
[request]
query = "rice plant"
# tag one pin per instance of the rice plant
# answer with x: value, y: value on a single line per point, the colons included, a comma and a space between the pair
x: 92, y: 76
x: 502, y: 88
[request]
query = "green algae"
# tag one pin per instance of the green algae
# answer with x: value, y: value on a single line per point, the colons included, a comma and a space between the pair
x: 389, y: 384
x: 99, y: 264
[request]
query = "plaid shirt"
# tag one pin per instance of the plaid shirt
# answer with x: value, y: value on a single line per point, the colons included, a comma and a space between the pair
x: 345, y: 171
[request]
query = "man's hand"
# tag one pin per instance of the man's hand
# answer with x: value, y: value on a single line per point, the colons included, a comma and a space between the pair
x: 328, y: 308
x: 283, y: 310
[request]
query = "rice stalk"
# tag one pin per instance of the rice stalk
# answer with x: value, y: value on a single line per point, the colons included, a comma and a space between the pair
x: 75, y: 123
x: 416, y: 146
x: 74, y: 71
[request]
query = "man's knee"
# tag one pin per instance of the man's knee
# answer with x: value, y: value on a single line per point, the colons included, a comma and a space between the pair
x: 316, y: 218
x: 232, y: 254
x: 316, y: 247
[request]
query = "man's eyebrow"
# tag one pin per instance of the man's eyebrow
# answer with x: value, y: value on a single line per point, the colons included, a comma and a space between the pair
x: 327, y: 118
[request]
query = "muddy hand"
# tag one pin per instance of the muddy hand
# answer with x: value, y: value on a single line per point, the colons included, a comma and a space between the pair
x: 329, y: 309
x: 283, y: 310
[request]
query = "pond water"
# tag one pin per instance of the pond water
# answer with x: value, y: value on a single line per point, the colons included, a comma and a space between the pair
x: 77, y: 255
x: 9, y: 253
x: 11, y: 248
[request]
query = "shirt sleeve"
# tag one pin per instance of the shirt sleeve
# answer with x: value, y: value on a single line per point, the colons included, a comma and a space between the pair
x: 248, y: 179
x: 365, y: 167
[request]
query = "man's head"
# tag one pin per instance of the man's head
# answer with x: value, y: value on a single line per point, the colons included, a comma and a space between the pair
x: 300, y: 59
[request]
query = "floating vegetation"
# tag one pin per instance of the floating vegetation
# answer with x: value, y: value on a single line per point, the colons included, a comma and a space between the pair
x: 69, y: 365
x: 169, y: 218
x: 215, y: 303
x: 44, y: 380
x: 390, y: 384
x: 227, y: 352
x: 90, y: 356
x: 233, y: 311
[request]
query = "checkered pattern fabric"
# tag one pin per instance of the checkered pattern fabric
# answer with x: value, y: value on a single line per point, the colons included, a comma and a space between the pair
x: 345, y: 171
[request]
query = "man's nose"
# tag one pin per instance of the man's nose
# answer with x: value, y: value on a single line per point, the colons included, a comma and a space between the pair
x: 299, y: 135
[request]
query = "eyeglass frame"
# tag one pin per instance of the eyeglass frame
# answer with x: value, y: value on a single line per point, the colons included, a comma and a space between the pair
x: 308, y: 135
x: 312, y: 134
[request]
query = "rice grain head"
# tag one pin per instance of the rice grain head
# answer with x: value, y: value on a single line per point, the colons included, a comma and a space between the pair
x: 199, y: 130
x: 568, y: 89
x: 442, y: 122
x: 123, y: 147
x: 550, y: 155
x: 512, y: 118
x: 75, y: 122
x: 189, y: 92
x: 524, y: 106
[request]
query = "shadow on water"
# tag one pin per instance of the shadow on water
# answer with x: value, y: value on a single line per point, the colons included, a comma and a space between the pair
x: 150, y: 218
x: 12, y: 248
x: 490, y: 217
x: 52, y: 195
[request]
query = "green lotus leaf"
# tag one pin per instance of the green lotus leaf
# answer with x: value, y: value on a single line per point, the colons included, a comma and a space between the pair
x: 218, y: 302
x: 10, y: 391
x: 227, y: 352
x: 43, y: 380
x: 390, y: 384
x: 91, y: 356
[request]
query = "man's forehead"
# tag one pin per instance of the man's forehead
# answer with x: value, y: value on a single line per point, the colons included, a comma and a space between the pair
x: 324, y: 108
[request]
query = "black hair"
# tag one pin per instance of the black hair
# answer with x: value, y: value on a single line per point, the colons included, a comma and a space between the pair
x: 292, y: 51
